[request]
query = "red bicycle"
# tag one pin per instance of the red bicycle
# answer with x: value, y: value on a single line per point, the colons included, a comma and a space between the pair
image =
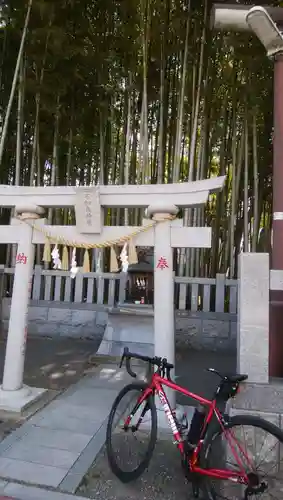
x: 212, y: 455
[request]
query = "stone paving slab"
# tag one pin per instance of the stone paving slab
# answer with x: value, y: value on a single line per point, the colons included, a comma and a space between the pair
x: 22, y: 492
x: 55, y: 458
x: 56, y: 447
x: 29, y: 472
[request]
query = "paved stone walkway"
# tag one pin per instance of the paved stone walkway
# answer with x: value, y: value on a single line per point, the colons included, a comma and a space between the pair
x: 56, y: 447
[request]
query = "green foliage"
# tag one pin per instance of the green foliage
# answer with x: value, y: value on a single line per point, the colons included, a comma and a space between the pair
x: 87, y: 55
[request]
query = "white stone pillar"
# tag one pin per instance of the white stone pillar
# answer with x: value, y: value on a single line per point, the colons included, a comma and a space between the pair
x: 253, y: 316
x: 13, y: 395
x: 164, y: 315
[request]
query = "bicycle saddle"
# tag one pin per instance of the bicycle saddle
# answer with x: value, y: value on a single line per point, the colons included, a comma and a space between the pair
x: 237, y: 378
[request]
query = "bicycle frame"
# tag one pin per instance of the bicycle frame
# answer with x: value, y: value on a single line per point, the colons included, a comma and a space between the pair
x: 156, y: 386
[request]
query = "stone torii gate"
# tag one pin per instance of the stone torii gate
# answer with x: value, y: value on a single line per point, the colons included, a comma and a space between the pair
x: 89, y: 202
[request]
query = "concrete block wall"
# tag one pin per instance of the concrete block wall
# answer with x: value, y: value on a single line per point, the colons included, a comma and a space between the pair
x: 56, y: 319
x: 51, y: 319
x: 206, y: 330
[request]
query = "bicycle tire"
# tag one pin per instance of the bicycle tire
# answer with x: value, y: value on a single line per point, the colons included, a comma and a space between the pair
x: 238, y: 420
x: 128, y: 476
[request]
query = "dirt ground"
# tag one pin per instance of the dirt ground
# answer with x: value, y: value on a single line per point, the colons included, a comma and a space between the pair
x: 54, y: 364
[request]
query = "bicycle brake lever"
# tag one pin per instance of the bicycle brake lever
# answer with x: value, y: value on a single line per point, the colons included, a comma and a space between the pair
x: 125, y: 352
x: 168, y: 375
x: 122, y: 360
x: 129, y: 369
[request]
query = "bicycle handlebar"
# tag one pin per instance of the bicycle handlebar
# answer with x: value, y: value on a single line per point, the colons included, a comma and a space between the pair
x: 161, y: 363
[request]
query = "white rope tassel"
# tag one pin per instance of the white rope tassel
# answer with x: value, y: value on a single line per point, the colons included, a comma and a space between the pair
x: 57, y: 264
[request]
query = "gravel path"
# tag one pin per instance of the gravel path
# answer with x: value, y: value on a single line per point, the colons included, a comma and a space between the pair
x: 164, y: 480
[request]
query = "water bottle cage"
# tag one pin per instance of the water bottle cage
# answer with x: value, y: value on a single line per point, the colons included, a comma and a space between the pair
x: 183, y: 425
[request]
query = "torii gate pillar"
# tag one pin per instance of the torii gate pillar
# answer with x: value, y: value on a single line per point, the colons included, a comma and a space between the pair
x: 164, y: 319
x: 14, y: 396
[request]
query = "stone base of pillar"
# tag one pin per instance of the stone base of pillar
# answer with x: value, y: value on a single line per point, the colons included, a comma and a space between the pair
x: 128, y: 327
x: 18, y: 401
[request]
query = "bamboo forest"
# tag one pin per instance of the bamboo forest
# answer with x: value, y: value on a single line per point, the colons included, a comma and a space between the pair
x: 140, y: 92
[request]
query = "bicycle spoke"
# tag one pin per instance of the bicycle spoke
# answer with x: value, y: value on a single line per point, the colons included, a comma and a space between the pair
x: 259, y: 453
x: 269, y: 450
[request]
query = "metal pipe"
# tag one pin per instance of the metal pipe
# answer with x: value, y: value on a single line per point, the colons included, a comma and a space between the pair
x: 277, y: 253
x: 231, y: 17
x: 276, y: 304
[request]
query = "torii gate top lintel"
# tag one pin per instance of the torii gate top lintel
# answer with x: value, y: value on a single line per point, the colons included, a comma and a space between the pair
x: 184, y: 194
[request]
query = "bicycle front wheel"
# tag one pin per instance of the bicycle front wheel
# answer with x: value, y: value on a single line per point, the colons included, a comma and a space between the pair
x: 248, y: 445
x: 131, y: 433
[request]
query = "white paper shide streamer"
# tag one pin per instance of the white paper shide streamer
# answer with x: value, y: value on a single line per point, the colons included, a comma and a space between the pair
x: 57, y: 264
x: 74, y: 268
x: 124, y: 259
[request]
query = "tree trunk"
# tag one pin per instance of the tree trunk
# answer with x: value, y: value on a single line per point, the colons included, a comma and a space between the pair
x: 179, y: 128
x: 128, y: 143
x: 54, y: 162
x: 14, y: 83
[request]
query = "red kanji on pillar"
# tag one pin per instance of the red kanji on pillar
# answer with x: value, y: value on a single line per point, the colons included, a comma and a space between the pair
x: 162, y: 263
x: 21, y: 258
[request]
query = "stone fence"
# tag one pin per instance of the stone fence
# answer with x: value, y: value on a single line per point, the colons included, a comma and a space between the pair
x: 206, y: 308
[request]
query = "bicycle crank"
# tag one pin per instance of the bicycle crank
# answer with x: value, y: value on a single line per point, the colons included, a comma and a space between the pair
x: 196, y: 490
x: 255, y: 487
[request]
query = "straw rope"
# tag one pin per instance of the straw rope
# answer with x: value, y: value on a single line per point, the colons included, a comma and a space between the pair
x: 60, y: 240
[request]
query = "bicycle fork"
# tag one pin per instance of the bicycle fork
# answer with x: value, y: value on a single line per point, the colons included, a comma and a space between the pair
x: 139, y: 402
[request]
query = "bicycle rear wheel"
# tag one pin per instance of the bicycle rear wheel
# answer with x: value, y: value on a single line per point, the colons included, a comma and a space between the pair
x: 142, y: 432
x: 263, y: 466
